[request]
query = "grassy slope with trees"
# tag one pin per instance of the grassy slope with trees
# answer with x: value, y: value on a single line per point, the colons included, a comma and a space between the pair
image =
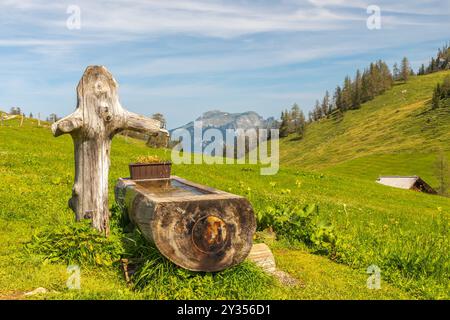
x: 400, y: 123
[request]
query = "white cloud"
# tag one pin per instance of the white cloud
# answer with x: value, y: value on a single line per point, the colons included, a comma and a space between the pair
x: 212, y: 18
x: 200, y: 47
x: 119, y: 20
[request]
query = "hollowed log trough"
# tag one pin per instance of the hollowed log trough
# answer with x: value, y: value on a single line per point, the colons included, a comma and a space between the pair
x: 196, y: 227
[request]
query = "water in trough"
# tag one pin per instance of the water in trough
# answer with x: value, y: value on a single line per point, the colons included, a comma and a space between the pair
x: 169, y: 188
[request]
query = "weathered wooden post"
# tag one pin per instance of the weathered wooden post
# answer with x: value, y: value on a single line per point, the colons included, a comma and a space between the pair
x: 97, y: 118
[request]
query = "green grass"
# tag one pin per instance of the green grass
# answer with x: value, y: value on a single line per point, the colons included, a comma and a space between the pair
x: 324, y: 279
x: 371, y: 167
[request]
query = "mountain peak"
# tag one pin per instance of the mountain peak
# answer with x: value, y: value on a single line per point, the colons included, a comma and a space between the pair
x: 225, y: 120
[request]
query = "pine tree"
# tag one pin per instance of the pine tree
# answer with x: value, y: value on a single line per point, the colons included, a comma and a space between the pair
x: 396, y: 71
x: 338, y: 98
x: 447, y: 57
x: 386, y: 76
x: 295, y: 111
x: 356, y: 92
x: 15, y: 111
x: 317, y: 111
x: 405, y: 70
x: 421, y: 71
x: 432, y: 66
x: 326, y: 104
x: 373, y: 76
x: 302, y: 124
x: 283, y: 131
x: 295, y: 118
x: 365, y: 87
x: 347, y: 95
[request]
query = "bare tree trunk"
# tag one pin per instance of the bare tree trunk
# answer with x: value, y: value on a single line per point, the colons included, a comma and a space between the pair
x: 98, y: 117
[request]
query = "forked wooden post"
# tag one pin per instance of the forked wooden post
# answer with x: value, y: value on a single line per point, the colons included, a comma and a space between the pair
x: 97, y: 118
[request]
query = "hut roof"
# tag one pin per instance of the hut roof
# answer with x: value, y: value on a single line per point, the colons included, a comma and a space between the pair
x: 406, y: 182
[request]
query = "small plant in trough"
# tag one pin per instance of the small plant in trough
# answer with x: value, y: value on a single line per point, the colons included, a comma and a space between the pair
x: 150, y: 167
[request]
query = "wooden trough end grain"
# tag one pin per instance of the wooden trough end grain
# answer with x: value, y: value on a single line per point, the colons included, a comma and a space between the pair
x: 197, y: 227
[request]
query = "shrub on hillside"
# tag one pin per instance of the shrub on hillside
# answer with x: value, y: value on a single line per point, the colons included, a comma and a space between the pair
x: 302, y: 224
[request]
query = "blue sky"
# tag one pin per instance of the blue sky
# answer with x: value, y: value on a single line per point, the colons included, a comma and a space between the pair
x: 183, y: 58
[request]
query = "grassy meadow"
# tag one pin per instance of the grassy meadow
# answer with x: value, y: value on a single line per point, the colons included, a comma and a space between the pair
x: 404, y: 233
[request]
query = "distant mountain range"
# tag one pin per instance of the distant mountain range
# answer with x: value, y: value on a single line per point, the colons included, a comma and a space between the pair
x: 225, y: 120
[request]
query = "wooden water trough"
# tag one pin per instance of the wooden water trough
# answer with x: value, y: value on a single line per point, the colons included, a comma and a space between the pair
x: 196, y: 227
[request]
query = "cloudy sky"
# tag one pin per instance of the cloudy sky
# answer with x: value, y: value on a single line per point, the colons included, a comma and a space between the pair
x: 183, y: 58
